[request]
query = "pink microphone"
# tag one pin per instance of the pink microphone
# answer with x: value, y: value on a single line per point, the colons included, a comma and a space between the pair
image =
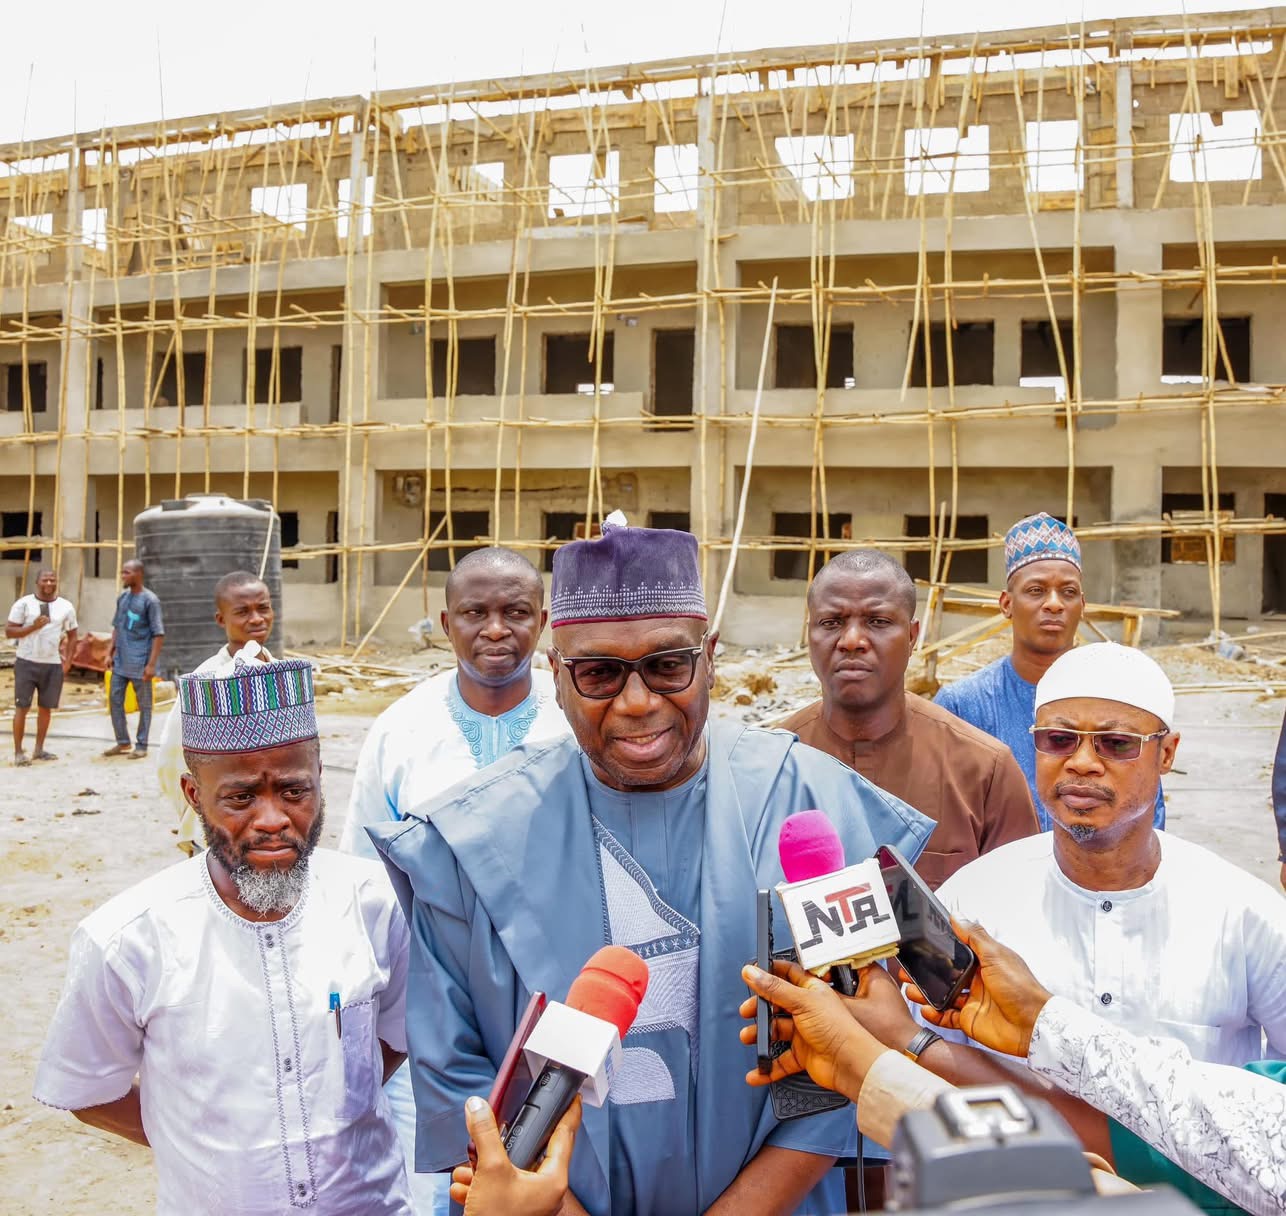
x: 809, y: 846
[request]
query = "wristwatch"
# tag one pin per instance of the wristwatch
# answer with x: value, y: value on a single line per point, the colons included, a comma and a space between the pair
x: 920, y: 1044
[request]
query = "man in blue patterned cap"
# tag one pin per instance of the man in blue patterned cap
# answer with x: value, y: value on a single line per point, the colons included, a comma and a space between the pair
x: 1044, y: 601
x: 238, y: 1011
x: 651, y: 828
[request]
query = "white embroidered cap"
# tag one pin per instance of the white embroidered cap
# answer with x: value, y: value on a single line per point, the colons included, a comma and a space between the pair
x: 1107, y: 671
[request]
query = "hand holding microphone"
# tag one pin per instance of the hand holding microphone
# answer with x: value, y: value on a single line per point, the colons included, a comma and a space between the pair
x: 824, y: 1040
x: 495, y: 1186
x: 577, y: 1045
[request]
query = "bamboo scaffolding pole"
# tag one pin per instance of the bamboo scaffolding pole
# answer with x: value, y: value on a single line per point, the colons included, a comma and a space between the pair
x: 744, y: 498
x: 416, y: 563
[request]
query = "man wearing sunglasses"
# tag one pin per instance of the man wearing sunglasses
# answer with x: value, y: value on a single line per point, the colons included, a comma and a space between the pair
x: 652, y: 829
x: 1148, y: 930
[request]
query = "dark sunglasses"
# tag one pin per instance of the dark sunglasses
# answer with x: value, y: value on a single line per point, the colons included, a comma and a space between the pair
x: 1109, y: 744
x: 665, y: 672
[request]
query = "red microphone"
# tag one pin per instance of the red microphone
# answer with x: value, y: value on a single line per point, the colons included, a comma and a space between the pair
x: 578, y: 1044
x: 809, y: 847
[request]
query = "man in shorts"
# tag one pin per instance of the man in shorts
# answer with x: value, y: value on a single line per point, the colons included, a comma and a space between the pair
x: 44, y: 626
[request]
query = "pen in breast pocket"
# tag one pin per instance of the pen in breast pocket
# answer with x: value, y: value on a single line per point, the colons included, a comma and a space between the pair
x: 334, y: 1005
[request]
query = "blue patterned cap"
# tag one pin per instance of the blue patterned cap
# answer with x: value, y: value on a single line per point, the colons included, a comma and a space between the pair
x: 627, y: 574
x: 258, y: 706
x: 1040, y: 538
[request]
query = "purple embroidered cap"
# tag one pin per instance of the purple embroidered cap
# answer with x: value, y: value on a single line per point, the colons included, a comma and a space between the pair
x: 627, y: 574
x: 258, y: 706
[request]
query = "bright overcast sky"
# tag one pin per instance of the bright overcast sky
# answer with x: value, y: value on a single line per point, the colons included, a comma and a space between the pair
x: 82, y: 64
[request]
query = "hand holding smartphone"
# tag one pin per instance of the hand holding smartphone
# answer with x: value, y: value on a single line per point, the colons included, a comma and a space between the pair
x: 513, y: 1078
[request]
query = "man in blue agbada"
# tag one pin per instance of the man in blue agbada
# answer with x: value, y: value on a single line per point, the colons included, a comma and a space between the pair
x: 651, y: 828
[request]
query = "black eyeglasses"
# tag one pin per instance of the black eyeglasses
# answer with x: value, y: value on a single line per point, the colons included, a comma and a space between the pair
x: 1109, y: 744
x: 665, y: 672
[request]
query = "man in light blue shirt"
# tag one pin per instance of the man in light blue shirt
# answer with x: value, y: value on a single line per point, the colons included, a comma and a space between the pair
x: 1044, y: 601
x: 449, y: 728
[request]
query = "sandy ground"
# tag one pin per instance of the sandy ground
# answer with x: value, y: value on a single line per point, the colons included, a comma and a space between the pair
x: 76, y: 831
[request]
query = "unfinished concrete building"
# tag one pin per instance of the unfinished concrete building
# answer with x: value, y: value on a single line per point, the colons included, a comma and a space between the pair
x: 911, y: 291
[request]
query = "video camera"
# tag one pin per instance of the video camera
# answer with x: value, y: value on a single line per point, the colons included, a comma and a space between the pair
x: 990, y: 1149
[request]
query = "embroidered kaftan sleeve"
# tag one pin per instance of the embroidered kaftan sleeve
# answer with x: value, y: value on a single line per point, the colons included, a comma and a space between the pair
x: 1224, y: 1126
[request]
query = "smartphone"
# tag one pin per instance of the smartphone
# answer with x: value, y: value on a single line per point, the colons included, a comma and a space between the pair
x: 44, y: 608
x: 938, y: 962
x: 763, y: 960
x: 513, y: 1078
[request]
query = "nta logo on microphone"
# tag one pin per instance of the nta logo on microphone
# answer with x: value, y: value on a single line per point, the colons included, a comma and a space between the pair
x: 840, y: 917
x: 848, y: 910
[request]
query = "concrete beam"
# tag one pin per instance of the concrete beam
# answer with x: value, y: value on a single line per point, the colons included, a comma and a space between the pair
x: 574, y: 249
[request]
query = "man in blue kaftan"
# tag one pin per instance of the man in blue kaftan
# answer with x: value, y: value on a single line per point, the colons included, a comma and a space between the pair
x: 651, y: 829
x: 1044, y: 602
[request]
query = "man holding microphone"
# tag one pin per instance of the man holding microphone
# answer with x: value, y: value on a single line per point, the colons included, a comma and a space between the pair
x: 44, y: 626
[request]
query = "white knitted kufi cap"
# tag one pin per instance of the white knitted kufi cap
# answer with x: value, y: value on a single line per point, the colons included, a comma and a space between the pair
x: 1107, y: 671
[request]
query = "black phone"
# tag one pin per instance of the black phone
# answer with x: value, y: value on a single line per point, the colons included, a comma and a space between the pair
x: 44, y: 608
x: 792, y: 1097
x: 939, y: 963
x: 513, y: 1078
x: 763, y: 960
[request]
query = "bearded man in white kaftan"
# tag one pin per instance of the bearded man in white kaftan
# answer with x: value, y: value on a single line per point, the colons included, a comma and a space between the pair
x: 256, y: 990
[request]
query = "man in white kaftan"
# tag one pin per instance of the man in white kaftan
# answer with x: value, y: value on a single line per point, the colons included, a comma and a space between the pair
x: 1153, y: 933
x: 257, y: 990
x: 450, y: 727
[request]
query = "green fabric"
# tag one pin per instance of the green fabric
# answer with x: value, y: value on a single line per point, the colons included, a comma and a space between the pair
x: 1274, y: 1070
x: 1141, y: 1164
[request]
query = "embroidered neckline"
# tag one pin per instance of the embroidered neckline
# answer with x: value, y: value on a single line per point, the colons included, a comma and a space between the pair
x: 685, y: 934
x: 515, y: 723
x: 286, y: 922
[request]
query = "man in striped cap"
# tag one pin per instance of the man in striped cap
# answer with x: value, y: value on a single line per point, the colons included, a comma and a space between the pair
x: 1044, y: 601
x: 239, y: 1011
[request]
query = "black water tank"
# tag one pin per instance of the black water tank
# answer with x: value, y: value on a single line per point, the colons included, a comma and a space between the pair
x: 188, y: 545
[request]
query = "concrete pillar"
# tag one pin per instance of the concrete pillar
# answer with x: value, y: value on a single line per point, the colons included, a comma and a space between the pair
x: 359, y: 506
x: 359, y: 481
x: 1136, y: 494
x: 715, y: 368
x: 1125, y: 136
x: 1139, y: 317
x: 1136, y: 486
x: 71, y: 503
